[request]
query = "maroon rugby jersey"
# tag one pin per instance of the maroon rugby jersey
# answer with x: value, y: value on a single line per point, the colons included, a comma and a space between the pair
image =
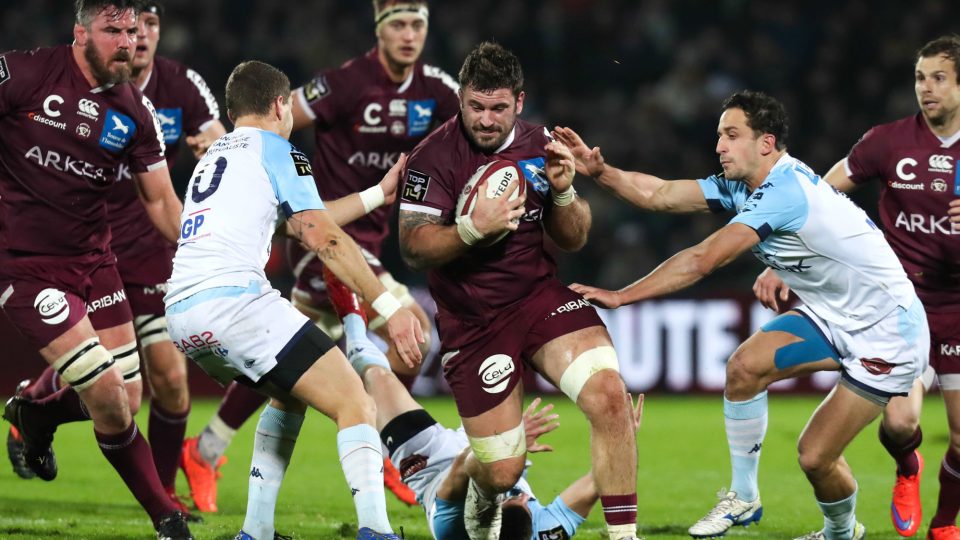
x: 920, y: 177
x: 363, y: 120
x: 185, y: 106
x: 484, y: 280
x: 61, y: 147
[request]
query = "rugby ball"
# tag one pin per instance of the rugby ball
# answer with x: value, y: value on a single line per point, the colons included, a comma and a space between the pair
x: 498, y: 176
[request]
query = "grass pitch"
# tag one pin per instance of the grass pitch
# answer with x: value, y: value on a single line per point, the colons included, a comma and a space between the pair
x: 683, y: 462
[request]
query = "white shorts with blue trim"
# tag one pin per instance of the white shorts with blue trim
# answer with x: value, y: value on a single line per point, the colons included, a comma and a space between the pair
x: 885, y: 358
x: 233, y: 331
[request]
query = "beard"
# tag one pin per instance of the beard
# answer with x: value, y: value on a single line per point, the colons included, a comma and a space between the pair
x: 101, y: 71
x: 487, y: 145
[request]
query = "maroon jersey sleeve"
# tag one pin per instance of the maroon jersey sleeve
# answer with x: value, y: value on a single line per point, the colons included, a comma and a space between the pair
x: 147, y: 151
x: 325, y: 96
x: 19, y: 77
x: 429, y: 179
x: 867, y: 159
x: 199, y: 104
x: 446, y: 87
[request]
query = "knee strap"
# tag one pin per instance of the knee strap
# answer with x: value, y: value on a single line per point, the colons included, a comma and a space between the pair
x: 510, y: 443
x: 127, y: 358
x: 585, y: 366
x: 84, y: 364
x: 151, y: 329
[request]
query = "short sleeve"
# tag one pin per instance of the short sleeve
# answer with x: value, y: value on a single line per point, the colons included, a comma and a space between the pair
x: 555, y: 520
x: 781, y: 206
x: 867, y: 158
x: 200, y: 107
x: 291, y: 175
x: 718, y: 193
x: 18, y: 78
x: 148, y: 151
x: 426, y: 187
x: 320, y: 95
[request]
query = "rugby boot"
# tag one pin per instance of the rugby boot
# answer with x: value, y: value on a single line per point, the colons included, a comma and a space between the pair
x: 37, y: 443
x: 15, y: 453
x: 189, y: 516
x: 950, y: 532
x: 201, y: 476
x: 173, y: 527
x: 905, y: 511
x: 392, y: 481
x: 367, y: 533
x: 276, y: 536
x: 728, y: 511
x: 482, y: 516
x: 344, y: 300
x: 859, y: 533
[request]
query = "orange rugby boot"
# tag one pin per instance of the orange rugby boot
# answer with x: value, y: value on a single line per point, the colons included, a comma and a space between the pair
x: 391, y: 480
x: 201, y: 476
x: 950, y: 532
x: 905, y: 511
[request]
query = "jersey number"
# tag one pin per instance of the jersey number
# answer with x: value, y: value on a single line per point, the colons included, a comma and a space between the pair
x: 200, y: 196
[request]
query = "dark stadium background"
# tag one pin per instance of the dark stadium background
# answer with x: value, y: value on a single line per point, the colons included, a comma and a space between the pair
x: 642, y: 79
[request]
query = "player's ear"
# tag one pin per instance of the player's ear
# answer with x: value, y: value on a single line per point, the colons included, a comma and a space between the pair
x: 278, y: 104
x: 520, y: 101
x: 80, y: 35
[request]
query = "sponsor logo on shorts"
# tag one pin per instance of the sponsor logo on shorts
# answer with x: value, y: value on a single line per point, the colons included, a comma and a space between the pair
x: 52, y: 306
x: 572, y: 305
x: 316, y: 89
x: 411, y: 465
x: 495, y: 373
x: 949, y: 350
x: 159, y: 288
x: 203, y: 342
x: 117, y: 297
x: 556, y: 533
x: 876, y: 366
x: 4, y: 70
x: 416, y: 186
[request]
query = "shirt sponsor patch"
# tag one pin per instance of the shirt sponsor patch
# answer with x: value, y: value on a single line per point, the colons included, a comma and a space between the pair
x: 4, y: 70
x: 171, y: 122
x: 316, y: 89
x: 533, y: 170
x: 302, y: 163
x: 420, y: 116
x: 415, y: 188
x: 118, y: 131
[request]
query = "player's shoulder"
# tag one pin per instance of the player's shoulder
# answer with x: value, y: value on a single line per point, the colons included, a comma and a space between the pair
x: 903, y: 130
x: 33, y: 65
x: 447, y: 138
x: 168, y: 67
x: 436, y: 78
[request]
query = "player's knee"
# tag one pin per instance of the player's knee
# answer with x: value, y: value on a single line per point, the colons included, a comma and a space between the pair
x: 603, y: 398
x: 503, y: 475
x: 742, y: 382
x: 359, y: 409
x: 813, y: 461
x: 107, y: 402
x: 169, y: 383
x: 84, y: 365
x: 593, y: 382
x: 127, y: 358
x: 501, y: 456
x: 900, y: 423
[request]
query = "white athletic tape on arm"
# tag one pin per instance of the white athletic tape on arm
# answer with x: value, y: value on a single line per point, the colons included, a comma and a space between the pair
x: 386, y: 305
x: 82, y: 365
x: 510, y: 443
x: 372, y: 198
x: 468, y: 231
x: 127, y: 358
x: 564, y: 198
x: 585, y: 366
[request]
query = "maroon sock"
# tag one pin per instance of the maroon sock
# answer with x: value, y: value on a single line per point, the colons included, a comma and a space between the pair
x: 129, y: 454
x: 619, y: 509
x: 166, y: 438
x: 904, y: 453
x: 61, y: 407
x: 239, y: 404
x: 43, y: 386
x: 949, y: 501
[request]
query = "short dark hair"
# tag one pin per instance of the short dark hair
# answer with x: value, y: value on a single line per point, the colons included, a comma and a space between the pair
x: 157, y: 7
x: 764, y: 114
x: 87, y: 10
x: 516, y: 523
x: 948, y: 46
x: 490, y: 66
x: 252, y: 88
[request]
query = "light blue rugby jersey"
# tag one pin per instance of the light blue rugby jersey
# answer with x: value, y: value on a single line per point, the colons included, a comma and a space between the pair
x: 819, y: 242
x: 239, y: 190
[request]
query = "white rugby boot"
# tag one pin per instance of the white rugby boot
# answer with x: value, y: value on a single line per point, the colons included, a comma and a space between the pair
x: 859, y: 533
x: 728, y: 511
x: 482, y: 516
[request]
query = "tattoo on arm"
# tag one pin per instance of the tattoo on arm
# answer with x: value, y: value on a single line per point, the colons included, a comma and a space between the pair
x: 409, y: 222
x: 298, y: 226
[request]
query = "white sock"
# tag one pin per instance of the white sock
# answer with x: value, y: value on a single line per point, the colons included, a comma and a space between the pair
x: 273, y: 444
x: 214, y: 440
x: 361, y: 352
x: 746, y: 423
x: 362, y: 463
x: 839, y: 518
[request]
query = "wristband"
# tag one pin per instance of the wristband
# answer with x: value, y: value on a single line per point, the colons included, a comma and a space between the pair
x: 386, y: 305
x: 467, y: 231
x: 372, y: 198
x: 563, y: 198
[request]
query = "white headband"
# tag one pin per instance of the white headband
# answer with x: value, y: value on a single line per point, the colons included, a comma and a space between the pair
x: 399, y: 10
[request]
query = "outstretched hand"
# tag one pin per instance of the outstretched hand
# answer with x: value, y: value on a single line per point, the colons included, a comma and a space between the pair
x: 391, y: 181
x: 598, y: 297
x: 405, y: 332
x: 589, y: 161
x: 769, y: 288
x: 637, y: 411
x: 536, y: 423
x: 560, y: 166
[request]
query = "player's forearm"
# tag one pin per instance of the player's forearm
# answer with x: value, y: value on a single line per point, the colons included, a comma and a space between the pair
x: 356, y: 205
x: 429, y: 246
x: 569, y: 225
x: 581, y: 495
x: 638, y: 189
x: 343, y: 257
x: 676, y: 273
x: 165, y: 215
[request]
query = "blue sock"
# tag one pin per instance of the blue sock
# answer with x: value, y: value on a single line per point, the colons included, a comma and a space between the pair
x: 362, y: 463
x: 839, y: 518
x: 361, y: 352
x: 273, y: 444
x: 746, y: 423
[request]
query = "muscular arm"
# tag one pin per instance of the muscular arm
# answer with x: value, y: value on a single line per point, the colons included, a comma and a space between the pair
x: 581, y: 495
x: 652, y: 193
x: 837, y: 177
x: 680, y: 271
x: 453, y: 488
x: 425, y: 242
x: 160, y: 201
x: 569, y: 225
